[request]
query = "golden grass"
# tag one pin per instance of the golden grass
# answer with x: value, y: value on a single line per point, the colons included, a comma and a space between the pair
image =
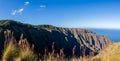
x: 25, y: 55
x: 15, y: 52
x: 10, y: 51
x: 111, y: 53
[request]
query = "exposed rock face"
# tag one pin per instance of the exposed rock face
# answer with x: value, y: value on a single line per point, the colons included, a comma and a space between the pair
x: 89, y: 39
x: 86, y: 37
x: 43, y: 36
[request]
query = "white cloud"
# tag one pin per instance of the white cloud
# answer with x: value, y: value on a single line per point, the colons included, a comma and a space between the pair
x: 27, y: 3
x: 14, y: 12
x: 42, y: 6
x: 20, y: 10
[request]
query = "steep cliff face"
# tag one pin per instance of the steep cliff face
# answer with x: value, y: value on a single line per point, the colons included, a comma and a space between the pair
x: 89, y: 39
x: 43, y: 37
x: 86, y: 37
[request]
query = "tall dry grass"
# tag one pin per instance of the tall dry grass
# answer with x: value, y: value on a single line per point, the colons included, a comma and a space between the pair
x: 111, y: 53
x: 22, y: 51
x: 16, y: 51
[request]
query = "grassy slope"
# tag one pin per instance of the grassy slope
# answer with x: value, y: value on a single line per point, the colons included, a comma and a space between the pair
x: 112, y: 53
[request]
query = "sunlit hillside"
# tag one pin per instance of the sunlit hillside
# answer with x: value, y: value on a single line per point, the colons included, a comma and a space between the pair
x: 112, y: 53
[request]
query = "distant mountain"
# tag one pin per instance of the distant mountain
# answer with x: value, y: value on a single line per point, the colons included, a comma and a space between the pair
x: 43, y: 37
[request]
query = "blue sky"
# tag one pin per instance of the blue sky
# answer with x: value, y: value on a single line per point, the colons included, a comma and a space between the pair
x: 64, y: 13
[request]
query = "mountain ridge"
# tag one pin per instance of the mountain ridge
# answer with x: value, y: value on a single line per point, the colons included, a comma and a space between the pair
x: 43, y: 36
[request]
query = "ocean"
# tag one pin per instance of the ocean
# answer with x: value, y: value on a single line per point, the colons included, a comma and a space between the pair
x: 112, y: 34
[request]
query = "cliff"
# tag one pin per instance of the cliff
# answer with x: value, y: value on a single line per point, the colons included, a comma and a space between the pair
x: 44, y: 36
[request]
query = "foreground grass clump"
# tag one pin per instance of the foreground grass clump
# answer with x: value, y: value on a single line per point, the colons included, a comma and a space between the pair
x: 16, y: 51
x: 10, y: 51
x: 111, y: 53
x: 25, y: 56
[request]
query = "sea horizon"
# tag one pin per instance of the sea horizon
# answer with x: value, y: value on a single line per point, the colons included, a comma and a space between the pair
x: 112, y: 34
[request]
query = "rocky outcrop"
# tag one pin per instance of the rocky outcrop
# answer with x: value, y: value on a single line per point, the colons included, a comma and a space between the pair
x: 82, y: 41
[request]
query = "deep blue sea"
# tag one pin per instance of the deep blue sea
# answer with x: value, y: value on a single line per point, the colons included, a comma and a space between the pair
x: 112, y: 34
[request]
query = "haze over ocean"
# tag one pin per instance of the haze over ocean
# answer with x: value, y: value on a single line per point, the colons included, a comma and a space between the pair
x: 112, y: 34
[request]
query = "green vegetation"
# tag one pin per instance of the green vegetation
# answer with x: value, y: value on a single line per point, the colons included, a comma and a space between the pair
x: 46, y: 27
x: 9, y: 22
x: 5, y: 23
